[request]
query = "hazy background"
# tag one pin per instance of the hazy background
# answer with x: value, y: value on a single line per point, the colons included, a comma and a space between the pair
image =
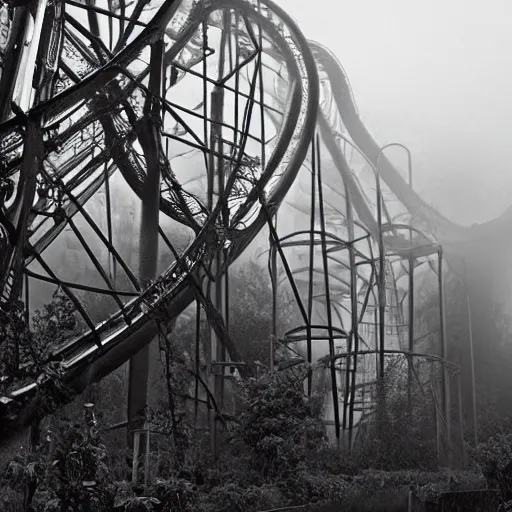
x: 435, y: 76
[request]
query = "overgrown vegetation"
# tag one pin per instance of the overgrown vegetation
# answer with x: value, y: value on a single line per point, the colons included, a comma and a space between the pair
x: 404, y: 436
x: 24, y: 351
x: 273, y: 453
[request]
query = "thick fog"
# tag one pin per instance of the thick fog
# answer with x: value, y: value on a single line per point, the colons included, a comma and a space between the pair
x: 436, y: 77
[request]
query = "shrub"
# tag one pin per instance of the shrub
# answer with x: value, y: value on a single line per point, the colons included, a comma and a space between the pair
x: 231, y: 497
x: 304, y: 486
x: 176, y: 494
x: 495, y: 454
x: 334, y: 461
x: 77, y: 475
x: 276, y: 423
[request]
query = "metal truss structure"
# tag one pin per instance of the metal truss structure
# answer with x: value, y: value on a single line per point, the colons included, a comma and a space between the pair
x: 211, y: 121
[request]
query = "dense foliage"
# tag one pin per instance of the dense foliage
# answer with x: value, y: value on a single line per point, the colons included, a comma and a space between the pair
x: 24, y: 350
x: 273, y: 446
x: 276, y: 423
x: 403, y: 434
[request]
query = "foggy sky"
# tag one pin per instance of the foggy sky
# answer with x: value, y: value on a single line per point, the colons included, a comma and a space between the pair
x: 437, y: 77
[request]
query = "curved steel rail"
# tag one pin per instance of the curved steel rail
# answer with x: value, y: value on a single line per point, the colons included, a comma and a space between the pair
x: 108, y: 345
x: 108, y: 78
x: 331, y: 70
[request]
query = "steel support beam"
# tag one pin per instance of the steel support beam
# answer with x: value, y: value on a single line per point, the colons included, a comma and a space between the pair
x: 148, y: 255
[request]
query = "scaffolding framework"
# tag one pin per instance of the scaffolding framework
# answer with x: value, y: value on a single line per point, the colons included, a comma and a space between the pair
x: 211, y: 122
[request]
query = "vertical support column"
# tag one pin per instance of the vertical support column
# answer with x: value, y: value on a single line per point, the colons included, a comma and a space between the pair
x: 148, y: 256
x: 273, y: 267
x: 461, y: 420
x: 437, y: 418
x: 347, y: 392
x: 208, y: 159
x: 412, y: 263
x: 334, y: 380
x: 410, y: 324
x: 216, y: 188
x: 354, y: 334
x: 197, y: 359
x: 218, y: 351
x: 381, y: 276
x: 382, y: 304
x: 473, y: 381
x: 33, y: 153
x: 445, y: 380
x: 376, y: 339
x: 311, y: 265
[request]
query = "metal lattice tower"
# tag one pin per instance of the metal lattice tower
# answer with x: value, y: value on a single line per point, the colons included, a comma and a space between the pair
x: 183, y: 127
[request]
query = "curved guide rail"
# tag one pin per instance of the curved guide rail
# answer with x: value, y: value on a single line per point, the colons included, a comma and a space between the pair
x: 112, y: 107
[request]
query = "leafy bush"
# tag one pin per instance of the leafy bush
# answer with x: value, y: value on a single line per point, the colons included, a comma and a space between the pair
x: 304, y: 486
x: 277, y: 424
x: 22, y: 476
x: 24, y: 350
x: 276, y: 454
x: 334, y: 461
x: 11, y: 500
x: 494, y: 457
x: 78, y: 476
x: 399, y: 437
x: 176, y: 494
x: 139, y: 504
x: 231, y: 497
x: 494, y: 454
